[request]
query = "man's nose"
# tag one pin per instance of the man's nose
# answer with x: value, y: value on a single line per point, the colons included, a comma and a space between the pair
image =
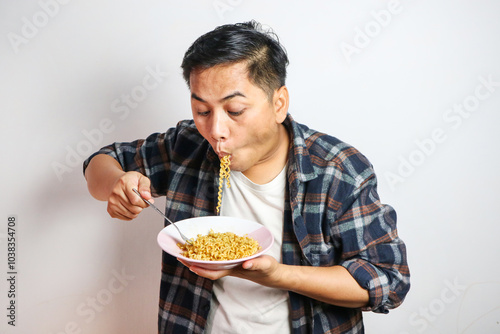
x: 219, y: 129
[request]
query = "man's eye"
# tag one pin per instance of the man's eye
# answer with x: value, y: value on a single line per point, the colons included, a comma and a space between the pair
x: 235, y: 113
x: 203, y: 113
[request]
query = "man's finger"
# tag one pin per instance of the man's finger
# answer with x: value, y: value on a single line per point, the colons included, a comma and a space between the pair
x: 134, y: 199
x: 144, y: 188
x: 124, y: 210
x: 263, y: 262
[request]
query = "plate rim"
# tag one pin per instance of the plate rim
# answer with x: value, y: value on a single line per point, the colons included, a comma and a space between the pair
x: 217, y: 262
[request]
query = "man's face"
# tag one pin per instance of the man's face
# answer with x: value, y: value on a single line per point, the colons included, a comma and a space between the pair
x: 234, y: 115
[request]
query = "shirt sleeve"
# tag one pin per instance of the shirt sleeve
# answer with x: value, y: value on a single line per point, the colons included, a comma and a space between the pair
x: 149, y: 157
x: 372, y: 251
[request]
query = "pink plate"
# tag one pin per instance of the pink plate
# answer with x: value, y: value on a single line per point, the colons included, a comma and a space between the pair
x: 168, y: 238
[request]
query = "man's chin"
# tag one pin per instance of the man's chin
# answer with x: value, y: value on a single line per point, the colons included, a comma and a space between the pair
x: 236, y: 167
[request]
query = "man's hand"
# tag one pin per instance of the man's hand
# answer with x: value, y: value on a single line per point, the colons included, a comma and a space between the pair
x: 123, y: 202
x: 264, y: 270
x: 107, y: 181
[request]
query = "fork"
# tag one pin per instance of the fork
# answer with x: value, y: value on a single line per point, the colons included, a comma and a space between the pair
x: 186, y: 239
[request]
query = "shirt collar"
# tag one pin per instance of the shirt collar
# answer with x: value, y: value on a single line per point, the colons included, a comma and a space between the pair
x: 299, y: 158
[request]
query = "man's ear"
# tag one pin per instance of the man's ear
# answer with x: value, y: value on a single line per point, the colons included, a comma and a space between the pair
x: 280, y: 102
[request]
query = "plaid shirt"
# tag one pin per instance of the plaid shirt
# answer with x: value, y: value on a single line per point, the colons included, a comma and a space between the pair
x: 333, y: 216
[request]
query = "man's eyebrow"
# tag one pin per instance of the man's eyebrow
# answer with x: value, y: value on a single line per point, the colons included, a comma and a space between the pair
x: 196, y: 97
x: 230, y: 96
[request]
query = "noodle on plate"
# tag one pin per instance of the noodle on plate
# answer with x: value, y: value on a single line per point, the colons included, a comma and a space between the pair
x: 220, y: 247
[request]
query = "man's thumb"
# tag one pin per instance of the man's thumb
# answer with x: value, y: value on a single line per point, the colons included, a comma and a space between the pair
x: 144, y: 187
x: 248, y: 265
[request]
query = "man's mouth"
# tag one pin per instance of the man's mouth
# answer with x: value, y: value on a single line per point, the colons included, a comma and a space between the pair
x: 219, y: 151
x: 223, y: 154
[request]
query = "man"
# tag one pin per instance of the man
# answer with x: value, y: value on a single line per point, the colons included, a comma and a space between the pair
x: 337, y: 250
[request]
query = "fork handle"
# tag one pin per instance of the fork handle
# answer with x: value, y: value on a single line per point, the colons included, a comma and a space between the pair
x: 186, y: 239
x: 153, y: 206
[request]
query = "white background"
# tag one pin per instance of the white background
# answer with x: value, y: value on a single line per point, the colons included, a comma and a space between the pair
x: 65, y: 66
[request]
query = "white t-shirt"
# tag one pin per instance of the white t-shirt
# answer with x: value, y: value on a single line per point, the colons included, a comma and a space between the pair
x: 240, y: 306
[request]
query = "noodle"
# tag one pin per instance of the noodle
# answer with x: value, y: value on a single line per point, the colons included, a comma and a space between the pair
x: 220, y: 247
x: 223, y: 174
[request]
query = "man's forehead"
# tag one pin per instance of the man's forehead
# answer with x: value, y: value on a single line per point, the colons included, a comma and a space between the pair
x: 228, y: 70
x: 223, y: 82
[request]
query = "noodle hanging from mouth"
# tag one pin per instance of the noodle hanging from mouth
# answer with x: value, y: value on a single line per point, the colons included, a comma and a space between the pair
x: 223, y: 174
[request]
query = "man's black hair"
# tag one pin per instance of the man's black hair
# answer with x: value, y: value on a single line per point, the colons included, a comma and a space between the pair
x: 242, y: 42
